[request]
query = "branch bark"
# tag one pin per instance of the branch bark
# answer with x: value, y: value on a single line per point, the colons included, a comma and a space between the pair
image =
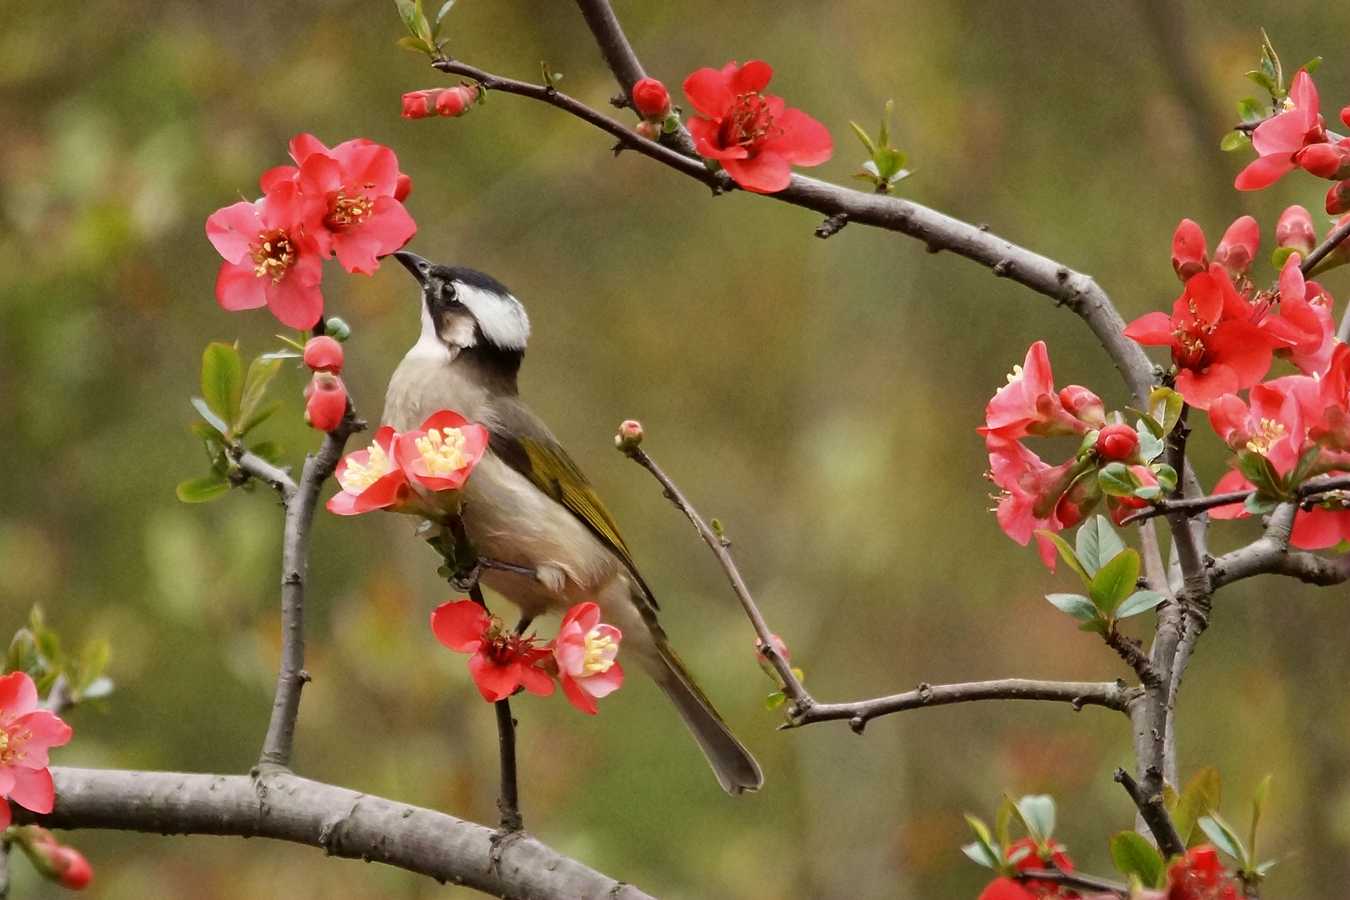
x: 341, y: 822
x: 1150, y: 806
x: 1270, y: 555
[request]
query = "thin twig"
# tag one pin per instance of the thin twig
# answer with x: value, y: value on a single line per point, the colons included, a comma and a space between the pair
x: 291, y: 675
x: 1128, y: 649
x: 1108, y: 694
x: 1191, y: 506
x: 1150, y: 806
x: 508, y: 797
x: 256, y: 467
x: 1320, y: 252
x: 1074, y: 880
x: 792, y: 686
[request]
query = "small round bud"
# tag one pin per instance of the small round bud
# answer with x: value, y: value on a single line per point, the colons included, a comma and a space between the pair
x: 1117, y: 442
x: 1239, y: 245
x: 325, y: 401
x: 1322, y: 160
x: 650, y: 130
x: 456, y: 101
x: 1083, y: 405
x: 629, y: 436
x: 337, y: 329
x: 1188, y: 250
x: 1295, y: 229
x: 76, y: 873
x: 651, y: 99
x: 324, y: 354
x: 402, y: 187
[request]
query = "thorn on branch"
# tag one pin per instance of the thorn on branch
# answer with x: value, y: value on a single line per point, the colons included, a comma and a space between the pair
x: 1003, y: 268
x: 858, y: 724
x: 620, y: 101
x: 832, y: 225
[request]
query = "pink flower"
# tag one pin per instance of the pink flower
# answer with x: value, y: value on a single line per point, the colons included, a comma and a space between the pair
x: 651, y: 99
x: 451, y: 101
x: 1189, y: 251
x: 441, y: 454
x: 1028, y: 403
x: 1031, y: 495
x: 1295, y: 229
x: 370, y: 479
x: 269, y: 260
x: 1277, y: 140
x: 755, y: 136
x: 1305, y: 321
x: 323, y: 354
x: 502, y: 661
x: 585, y: 651
x: 26, y: 734
x: 325, y: 401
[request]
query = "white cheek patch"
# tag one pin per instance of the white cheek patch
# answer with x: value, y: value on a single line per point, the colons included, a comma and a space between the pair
x: 500, y: 317
x: 458, y: 332
x: 429, y: 345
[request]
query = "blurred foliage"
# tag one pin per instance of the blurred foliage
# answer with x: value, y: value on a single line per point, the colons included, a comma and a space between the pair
x: 819, y: 397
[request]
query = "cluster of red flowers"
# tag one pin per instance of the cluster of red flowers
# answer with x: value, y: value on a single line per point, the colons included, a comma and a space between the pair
x: 417, y: 472
x: 1196, y: 876
x: 581, y: 657
x: 1297, y: 138
x: 345, y: 201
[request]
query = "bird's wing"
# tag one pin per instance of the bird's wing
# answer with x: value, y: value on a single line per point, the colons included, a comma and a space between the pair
x: 522, y: 441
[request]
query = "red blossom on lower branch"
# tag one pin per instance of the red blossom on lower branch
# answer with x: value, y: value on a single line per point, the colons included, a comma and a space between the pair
x: 1200, y: 876
x: 502, y: 661
x: 26, y: 734
x: 1028, y: 856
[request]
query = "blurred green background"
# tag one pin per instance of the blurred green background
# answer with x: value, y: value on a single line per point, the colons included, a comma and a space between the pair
x: 820, y: 397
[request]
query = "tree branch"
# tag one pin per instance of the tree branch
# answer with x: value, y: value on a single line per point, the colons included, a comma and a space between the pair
x: 1108, y: 694
x: 291, y: 675
x: 1150, y: 806
x: 256, y: 467
x: 1322, y: 250
x: 1270, y: 554
x: 341, y: 822
x: 1191, y: 506
x: 1074, y: 880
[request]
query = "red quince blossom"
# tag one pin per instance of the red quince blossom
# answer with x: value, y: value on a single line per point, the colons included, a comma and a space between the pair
x: 441, y: 454
x: 1200, y: 876
x: 1028, y: 404
x: 1033, y: 495
x: 1305, y: 321
x: 26, y: 734
x: 325, y: 401
x: 651, y: 99
x: 1295, y: 229
x: 323, y: 354
x: 269, y: 260
x: 1237, y: 248
x: 76, y: 873
x: 1216, y: 338
x: 1012, y: 889
x: 755, y: 136
x: 451, y: 101
x: 502, y: 661
x: 1117, y: 442
x: 585, y: 651
x: 350, y: 203
x: 370, y: 478
x: 1279, y: 139
x: 1189, y: 250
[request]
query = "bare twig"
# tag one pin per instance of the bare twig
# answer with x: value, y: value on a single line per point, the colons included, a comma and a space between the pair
x: 1270, y: 554
x: 1128, y: 649
x: 256, y: 467
x: 508, y: 797
x: 291, y: 676
x: 1191, y: 506
x: 1320, y: 252
x: 1074, y: 880
x: 1150, y: 806
x: 341, y: 822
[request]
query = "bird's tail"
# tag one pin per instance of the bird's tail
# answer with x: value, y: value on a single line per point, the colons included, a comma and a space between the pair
x: 735, y: 768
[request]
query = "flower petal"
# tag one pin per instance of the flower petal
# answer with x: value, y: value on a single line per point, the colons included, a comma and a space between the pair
x: 1318, y: 529
x: 602, y: 684
x: 766, y: 173
x: 33, y: 790
x: 577, y: 697
x: 460, y: 625
x: 803, y: 141
x: 232, y: 228
x: 1151, y: 329
x: 753, y: 77
x: 18, y: 695
x: 1263, y: 172
x: 296, y: 302
x: 239, y: 287
x: 710, y: 92
x: 46, y: 730
x: 494, y: 682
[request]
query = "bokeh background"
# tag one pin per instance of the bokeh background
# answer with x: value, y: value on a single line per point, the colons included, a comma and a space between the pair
x: 819, y: 397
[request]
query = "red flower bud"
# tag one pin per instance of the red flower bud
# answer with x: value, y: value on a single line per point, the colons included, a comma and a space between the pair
x: 323, y: 354
x: 650, y: 130
x: 1345, y: 115
x: 651, y: 99
x: 454, y: 101
x: 629, y: 436
x: 1238, y: 247
x: 325, y: 401
x: 76, y: 873
x: 1188, y: 250
x: 402, y: 187
x: 1295, y: 229
x: 1324, y: 160
x: 1117, y: 442
x: 1083, y: 405
x: 1338, y: 198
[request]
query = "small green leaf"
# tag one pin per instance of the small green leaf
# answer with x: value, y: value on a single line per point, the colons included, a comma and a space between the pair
x: 1150, y: 445
x: 1115, y: 581
x: 1097, y: 544
x: 1038, y: 814
x: 222, y: 380
x: 261, y: 372
x: 1076, y: 605
x: 445, y: 8
x: 980, y: 854
x: 1003, y: 821
x: 884, y: 132
x: 1258, y: 806
x: 1259, y: 504
x: 985, y: 842
x: 1148, y: 492
x: 1263, y: 869
x: 1135, y: 856
x: 1222, y: 836
x: 415, y: 44
x: 1165, y: 405
x: 98, y: 688
x: 1096, y: 626
x: 201, y: 490
x: 1166, y: 475
x: 774, y: 700
x: 865, y: 138
x: 1310, y: 67
x: 1066, y: 553
x: 1264, y: 80
x: 211, y: 418
x: 1259, y: 471
x: 1303, y: 468
x: 1233, y: 140
x: 1280, y: 255
x: 1117, y: 480
x: 1139, y: 602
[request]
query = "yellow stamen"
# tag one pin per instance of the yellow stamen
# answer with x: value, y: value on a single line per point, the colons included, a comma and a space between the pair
x: 1269, y: 433
x: 356, y: 476
x: 348, y: 211
x: 598, y: 658
x: 272, y: 254
x: 442, y: 450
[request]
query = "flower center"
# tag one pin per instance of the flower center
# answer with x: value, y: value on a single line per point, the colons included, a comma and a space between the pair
x: 442, y: 450
x: 1191, y: 344
x: 1269, y: 432
x: 349, y: 212
x: 273, y: 254
x: 11, y: 745
x: 600, y: 652
x: 358, y: 476
x: 749, y: 123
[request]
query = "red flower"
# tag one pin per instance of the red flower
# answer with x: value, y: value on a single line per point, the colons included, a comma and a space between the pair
x: 1031, y: 494
x: 26, y: 734
x: 350, y: 203
x: 370, y: 478
x: 1277, y: 140
x: 1238, y: 246
x: 451, y: 101
x: 1325, y: 160
x: 1028, y: 404
x: 584, y: 651
x: 755, y: 136
x: 1305, y: 321
x: 325, y: 401
x: 1117, y: 442
x: 1295, y: 229
x: 269, y: 260
x: 651, y: 99
x: 1200, y: 876
x: 441, y: 454
x: 1189, y: 251
x: 502, y: 661
x: 323, y: 354
x: 1216, y: 338
x: 1012, y: 889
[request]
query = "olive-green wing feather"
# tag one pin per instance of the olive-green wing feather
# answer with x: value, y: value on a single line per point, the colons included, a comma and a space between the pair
x: 525, y: 444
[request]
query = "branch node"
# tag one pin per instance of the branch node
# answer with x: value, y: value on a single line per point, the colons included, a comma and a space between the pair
x: 1003, y: 268
x: 858, y: 724
x: 832, y: 225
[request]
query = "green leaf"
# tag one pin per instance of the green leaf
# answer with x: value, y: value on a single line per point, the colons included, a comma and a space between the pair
x: 985, y: 842
x: 1003, y: 820
x: 890, y: 161
x: 1097, y: 543
x: 1115, y: 581
x: 1250, y: 110
x: 980, y: 854
x: 1258, y: 806
x: 1066, y: 553
x: 445, y: 8
x: 1263, y: 869
x: 1133, y: 855
x: 1310, y: 67
x: 1076, y: 605
x: 1265, y: 81
x: 1259, y: 471
x: 1139, y: 602
x: 865, y: 138
x: 1270, y: 62
x: 259, y: 416
x: 1280, y: 255
x: 884, y: 132
x: 1165, y: 405
x: 98, y: 688
x: 1117, y: 480
x: 260, y: 374
x: 1038, y: 814
x: 211, y: 418
x: 1148, y: 492
x: 774, y: 700
x: 1150, y: 445
x: 1233, y: 140
x: 222, y: 379
x: 1166, y: 475
x: 415, y: 44
x: 201, y: 490
x: 1260, y: 504
x: 1222, y: 836
x: 1096, y: 626
x: 1303, y: 468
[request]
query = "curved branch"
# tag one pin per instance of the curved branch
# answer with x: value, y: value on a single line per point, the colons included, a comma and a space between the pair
x: 255, y: 466
x: 341, y: 822
x: 1109, y: 694
x: 1192, y: 506
x: 1270, y: 555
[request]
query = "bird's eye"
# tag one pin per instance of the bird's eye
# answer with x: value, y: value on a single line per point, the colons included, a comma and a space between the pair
x: 448, y: 295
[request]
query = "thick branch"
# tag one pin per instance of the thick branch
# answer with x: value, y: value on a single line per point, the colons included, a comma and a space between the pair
x: 1270, y: 554
x: 1109, y: 694
x: 291, y: 676
x: 341, y: 822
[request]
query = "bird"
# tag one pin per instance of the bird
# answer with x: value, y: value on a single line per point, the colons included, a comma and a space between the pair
x: 527, y: 503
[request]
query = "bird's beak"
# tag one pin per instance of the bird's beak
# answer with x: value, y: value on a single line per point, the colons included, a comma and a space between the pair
x: 415, y: 264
